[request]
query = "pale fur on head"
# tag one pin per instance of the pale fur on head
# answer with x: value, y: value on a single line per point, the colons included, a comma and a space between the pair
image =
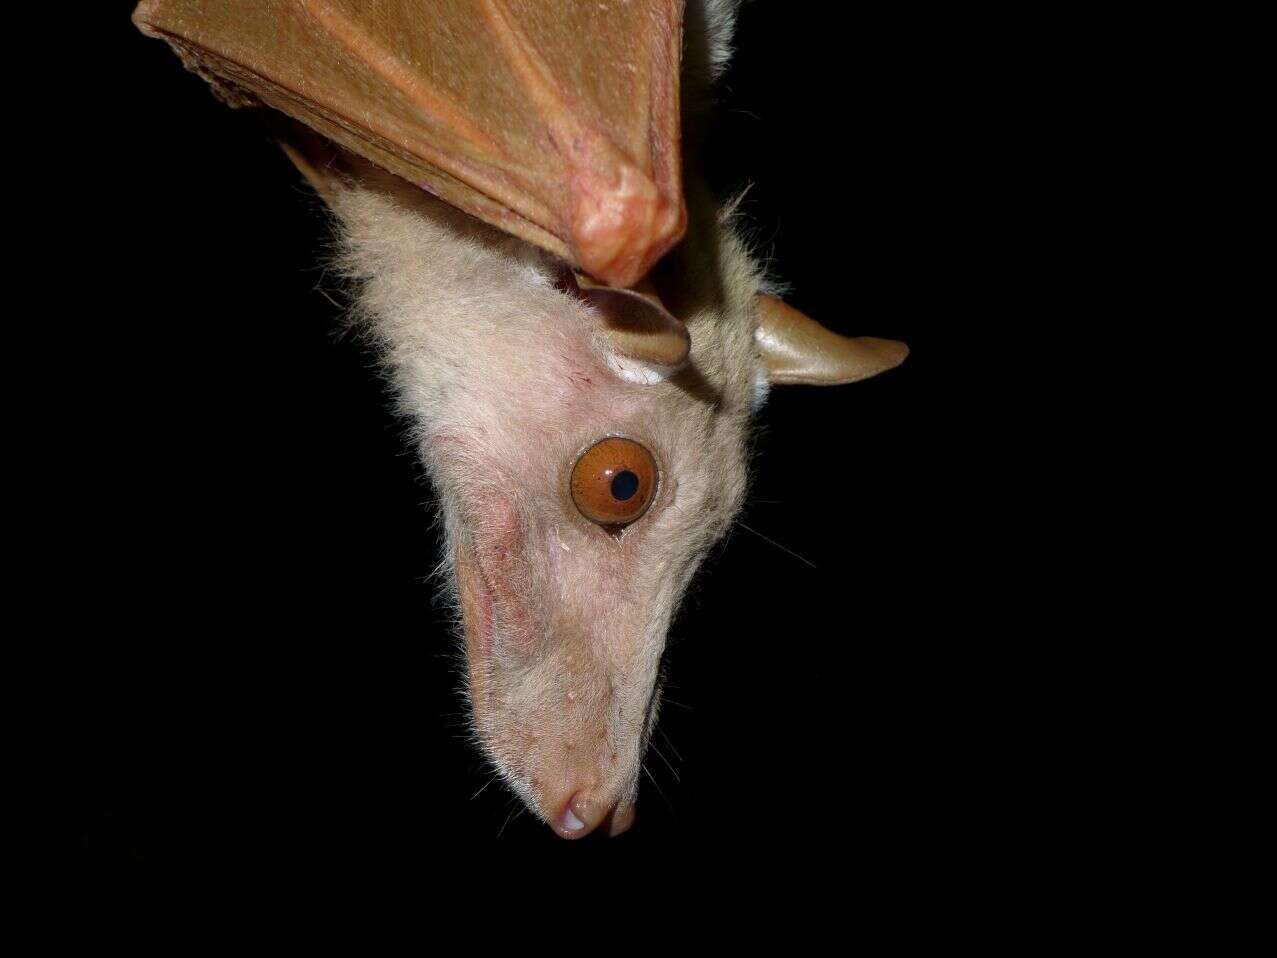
x: 507, y: 379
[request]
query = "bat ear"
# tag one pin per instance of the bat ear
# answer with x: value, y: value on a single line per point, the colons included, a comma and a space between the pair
x: 647, y: 343
x: 797, y: 349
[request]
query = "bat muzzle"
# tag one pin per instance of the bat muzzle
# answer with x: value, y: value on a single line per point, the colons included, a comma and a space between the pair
x: 585, y: 813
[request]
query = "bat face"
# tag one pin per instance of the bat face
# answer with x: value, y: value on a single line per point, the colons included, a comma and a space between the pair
x: 565, y: 610
x: 577, y: 501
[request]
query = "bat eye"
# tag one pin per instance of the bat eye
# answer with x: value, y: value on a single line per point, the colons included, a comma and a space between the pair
x: 614, y: 481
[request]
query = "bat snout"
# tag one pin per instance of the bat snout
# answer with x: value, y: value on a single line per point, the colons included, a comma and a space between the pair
x: 578, y: 793
x: 586, y: 812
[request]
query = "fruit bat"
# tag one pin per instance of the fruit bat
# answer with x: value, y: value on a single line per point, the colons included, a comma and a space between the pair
x: 573, y: 326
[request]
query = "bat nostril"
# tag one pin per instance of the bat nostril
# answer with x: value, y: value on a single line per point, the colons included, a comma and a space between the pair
x: 570, y: 822
x: 578, y: 817
x: 621, y: 819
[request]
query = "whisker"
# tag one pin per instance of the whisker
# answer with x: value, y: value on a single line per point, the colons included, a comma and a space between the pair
x: 657, y: 786
x: 656, y: 748
x: 514, y: 813
x: 670, y: 743
x: 484, y: 786
x: 324, y: 293
x: 776, y: 544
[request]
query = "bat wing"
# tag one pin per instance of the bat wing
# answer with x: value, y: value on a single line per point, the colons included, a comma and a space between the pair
x: 554, y: 120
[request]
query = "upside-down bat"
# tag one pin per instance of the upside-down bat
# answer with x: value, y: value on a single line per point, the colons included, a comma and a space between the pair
x: 578, y: 334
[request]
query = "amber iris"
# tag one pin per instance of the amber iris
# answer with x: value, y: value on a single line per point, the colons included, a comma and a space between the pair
x: 614, y: 481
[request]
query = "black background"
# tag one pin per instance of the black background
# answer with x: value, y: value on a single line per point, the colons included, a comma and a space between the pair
x: 245, y: 719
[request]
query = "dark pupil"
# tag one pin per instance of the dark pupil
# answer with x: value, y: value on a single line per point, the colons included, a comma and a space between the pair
x: 624, y: 485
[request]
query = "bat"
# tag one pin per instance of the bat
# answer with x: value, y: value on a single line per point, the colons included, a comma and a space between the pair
x: 572, y: 324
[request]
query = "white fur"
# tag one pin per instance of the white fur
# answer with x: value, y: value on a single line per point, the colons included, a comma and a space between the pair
x: 720, y: 27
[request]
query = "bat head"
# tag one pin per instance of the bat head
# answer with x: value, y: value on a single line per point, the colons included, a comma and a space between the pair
x: 586, y: 451
x: 578, y: 495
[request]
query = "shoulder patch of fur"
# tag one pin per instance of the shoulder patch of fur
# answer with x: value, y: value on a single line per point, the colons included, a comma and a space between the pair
x: 708, y: 26
x: 719, y: 23
x: 732, y: 217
